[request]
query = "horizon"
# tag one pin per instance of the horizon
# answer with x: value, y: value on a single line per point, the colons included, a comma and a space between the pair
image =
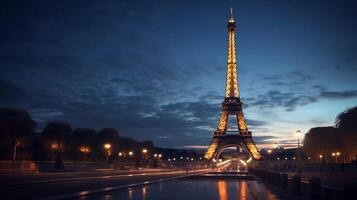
x: 156, y: 73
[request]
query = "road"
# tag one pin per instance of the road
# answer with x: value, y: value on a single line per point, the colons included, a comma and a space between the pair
x: 41, y: 186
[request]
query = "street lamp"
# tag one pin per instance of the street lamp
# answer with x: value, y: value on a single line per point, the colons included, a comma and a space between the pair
x: 298, y: 135
x: 269, y: 151
x: 84, y: 150
x: 320, y: 156
x: 120, y: 154
x: 131, y: 153
x: 107, y: 147
x: 337, y: 155
x: 144, y: 151
x: 334, y: 156
x: 54, y: 147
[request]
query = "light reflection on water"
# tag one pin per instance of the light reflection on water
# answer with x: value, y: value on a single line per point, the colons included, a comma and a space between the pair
x: 196, y: 189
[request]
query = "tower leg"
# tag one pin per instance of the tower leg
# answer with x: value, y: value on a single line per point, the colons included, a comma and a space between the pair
x: 222, y: 125
x: 242, y: 125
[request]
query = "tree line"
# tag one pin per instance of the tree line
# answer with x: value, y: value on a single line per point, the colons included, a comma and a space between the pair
x: 59, y: 141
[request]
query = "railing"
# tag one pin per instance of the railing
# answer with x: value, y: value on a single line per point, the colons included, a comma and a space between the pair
x: 311, y: 189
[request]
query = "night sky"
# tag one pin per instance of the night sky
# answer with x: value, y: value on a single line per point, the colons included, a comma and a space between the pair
x: 156, y: 69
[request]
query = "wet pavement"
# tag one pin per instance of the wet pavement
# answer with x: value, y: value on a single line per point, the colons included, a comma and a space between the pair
x: 187, y: 189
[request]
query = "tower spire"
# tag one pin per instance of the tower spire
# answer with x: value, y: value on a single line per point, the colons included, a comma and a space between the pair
x: 231, y: 82
x: 231, y: 19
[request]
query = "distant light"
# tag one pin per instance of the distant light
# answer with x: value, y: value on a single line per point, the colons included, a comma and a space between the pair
x: 338, y: 153
x: 294, y: 158
x: 120, y: 154
x: 220, y: 160
x: 278, y: 158
x: 155, y: 155
x: 54, y: 146
x: 131, y: 153
x: 200, y: 158
x: 191, y: 159
x: 144, y: 150
x: 308, y: 158
x: 107, y: 146
x: 320, y: 155
x: 174, y: 159
x: 181, y: 157
x: 269, y: 151
x: 169, y: 159
x: 286, y: 158
x: 160, y: 155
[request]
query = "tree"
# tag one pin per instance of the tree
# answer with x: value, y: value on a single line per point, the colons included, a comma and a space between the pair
x: 16, y: 126
x: 347, y: 120
x: 57, y: 132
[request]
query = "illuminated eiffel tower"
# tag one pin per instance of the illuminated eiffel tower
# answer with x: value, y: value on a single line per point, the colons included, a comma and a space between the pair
x: 232, y: 105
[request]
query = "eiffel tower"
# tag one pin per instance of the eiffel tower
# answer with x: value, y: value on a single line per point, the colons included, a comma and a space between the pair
x: 232, y: 105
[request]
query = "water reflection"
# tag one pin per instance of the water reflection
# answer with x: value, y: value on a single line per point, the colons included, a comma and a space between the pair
x: 144, y: 193
x: 242, y: 188
x: 191, y: 190
x: 222, y: 190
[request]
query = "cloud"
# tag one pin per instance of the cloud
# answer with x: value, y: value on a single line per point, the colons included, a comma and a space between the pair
x: 335, y: 95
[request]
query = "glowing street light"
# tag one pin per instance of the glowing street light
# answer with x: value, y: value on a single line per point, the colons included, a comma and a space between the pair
x: 54, y: 146
x: 144, y: 151
x: 131, y: 153
x: 160, y: 155
x: 155, y: 155
x: 336, y: 155
x: 269, y: 151
x: 120, y: 154
x: 107, y: 147
x: 84, y: 150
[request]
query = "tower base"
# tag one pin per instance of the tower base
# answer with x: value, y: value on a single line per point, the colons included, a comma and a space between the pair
x: 220, y: 142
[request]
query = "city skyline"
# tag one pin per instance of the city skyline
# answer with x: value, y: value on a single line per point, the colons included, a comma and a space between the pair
x: 157, y: 73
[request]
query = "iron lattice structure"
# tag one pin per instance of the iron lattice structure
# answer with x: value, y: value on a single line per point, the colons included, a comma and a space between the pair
x: 232, y: 105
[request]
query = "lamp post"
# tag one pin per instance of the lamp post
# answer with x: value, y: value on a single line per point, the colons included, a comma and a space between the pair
x: 337, y: 155
x: 298, y: 135
x: 334, y: 156
x: 84, y: 150
x: 54, y: 147
x: 107, y: 147
x: 145, y: 151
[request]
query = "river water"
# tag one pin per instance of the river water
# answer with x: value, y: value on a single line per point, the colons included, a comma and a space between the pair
x: 187, y: 189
